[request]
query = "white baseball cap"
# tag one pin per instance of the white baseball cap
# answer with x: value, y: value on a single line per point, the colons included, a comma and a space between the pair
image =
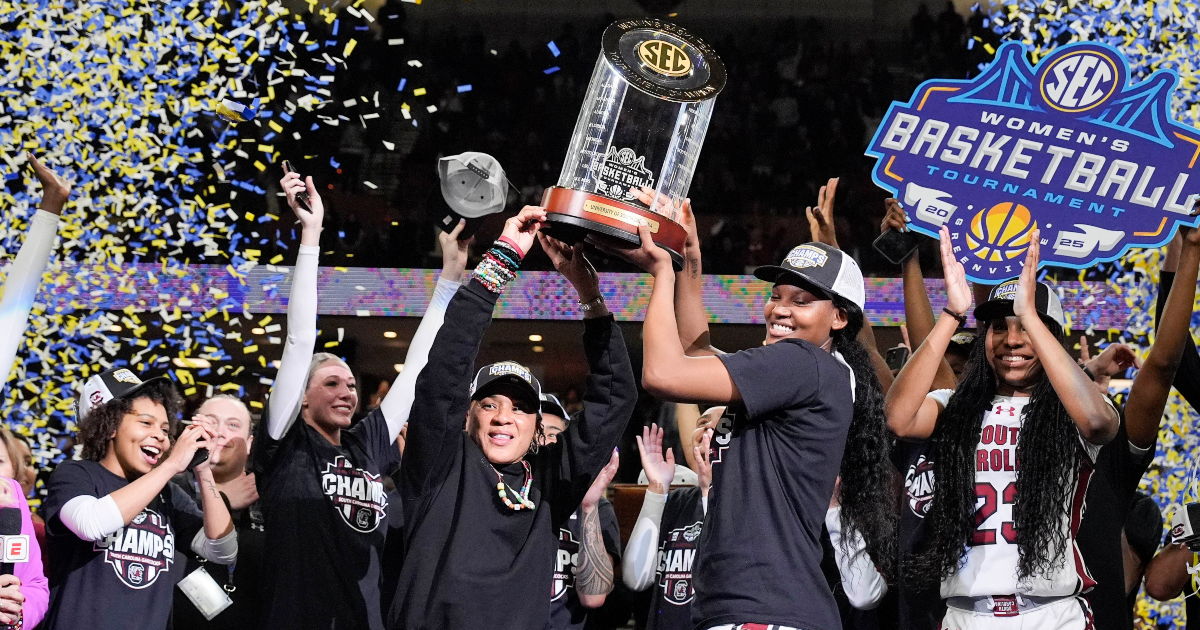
x: 474, y: 186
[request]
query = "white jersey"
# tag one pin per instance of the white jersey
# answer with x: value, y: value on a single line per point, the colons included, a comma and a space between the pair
x: 990, y: 564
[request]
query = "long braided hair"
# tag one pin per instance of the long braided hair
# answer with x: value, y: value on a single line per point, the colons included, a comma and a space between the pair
x: 1048, y: 458
x: 867, y: 495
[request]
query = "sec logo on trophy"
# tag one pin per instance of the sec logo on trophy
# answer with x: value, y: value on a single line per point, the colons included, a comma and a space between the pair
x: 1072, y: 147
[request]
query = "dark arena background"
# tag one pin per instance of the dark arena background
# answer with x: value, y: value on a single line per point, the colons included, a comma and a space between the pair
x: 173, y: 256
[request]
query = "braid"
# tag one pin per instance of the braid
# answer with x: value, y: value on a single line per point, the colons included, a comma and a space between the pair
x: 867, y: 497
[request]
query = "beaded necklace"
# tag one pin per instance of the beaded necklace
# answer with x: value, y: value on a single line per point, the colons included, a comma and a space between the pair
x: 523, y: 501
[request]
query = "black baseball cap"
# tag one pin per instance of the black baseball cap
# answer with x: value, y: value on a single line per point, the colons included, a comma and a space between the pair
x: 553, y: 406
x: 105, y: 386
x: 505, y: 372
x: 1000, y: 303
x: 827, y: 268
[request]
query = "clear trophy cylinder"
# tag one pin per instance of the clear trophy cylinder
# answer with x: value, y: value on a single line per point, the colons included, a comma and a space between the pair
x: 638, y: 136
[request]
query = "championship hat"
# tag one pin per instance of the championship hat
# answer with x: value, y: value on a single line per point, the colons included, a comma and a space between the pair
x: 827, y: 268
x: 474, y: 186
x: 962, y: 341
x: 505, y: 372
x: 553, y: 406
x: 103, y: 387
x: 1000, y: 303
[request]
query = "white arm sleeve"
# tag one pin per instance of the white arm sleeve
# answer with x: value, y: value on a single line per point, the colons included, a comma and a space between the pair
x: 90, y: 518
x: 399, y: 400
x: 641, y: 554
x: 863, y: 584
x: 221, y: 551
x: 288, y: 390
x: 21, y: 287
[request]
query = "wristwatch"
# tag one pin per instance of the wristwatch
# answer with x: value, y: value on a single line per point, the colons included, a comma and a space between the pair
x: 592, y: 303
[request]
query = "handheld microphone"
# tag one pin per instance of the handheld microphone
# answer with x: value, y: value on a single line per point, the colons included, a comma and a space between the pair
x: 16, y: 545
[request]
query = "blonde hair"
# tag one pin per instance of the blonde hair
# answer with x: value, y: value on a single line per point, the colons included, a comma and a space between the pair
x: 14, y: 456
x: 319, y: 359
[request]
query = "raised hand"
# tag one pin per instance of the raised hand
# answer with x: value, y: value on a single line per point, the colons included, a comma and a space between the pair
x: 454, y: 252
x: 820, y: 218
x: 660, y: 471
x: 700, y: 454
x: 210, y: 425
x: 241, y: 491
x: 600, y: 483
x: 1024, y: 303
x: 660, y: 203
x: 958, y: 292
x: 523, y: 228
x: 292, y: 184
x: 55, y: 189
x: 186, y: 446
x: 895, y: 218
x: 573, y: 265
x: 1115, y: 359
x: 649, y: 257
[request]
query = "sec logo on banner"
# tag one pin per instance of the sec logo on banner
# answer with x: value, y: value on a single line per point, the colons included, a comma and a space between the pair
x: 1069, y: 147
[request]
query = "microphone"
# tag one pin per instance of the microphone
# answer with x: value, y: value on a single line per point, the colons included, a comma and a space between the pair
x: 16, y: 546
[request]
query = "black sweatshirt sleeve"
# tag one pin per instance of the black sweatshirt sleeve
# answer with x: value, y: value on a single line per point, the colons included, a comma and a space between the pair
x: 1187, y: 377
x: 609, y: 397
x: 435, y: 425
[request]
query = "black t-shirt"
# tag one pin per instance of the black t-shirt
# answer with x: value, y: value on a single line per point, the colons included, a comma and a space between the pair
x: 678, y: 540
x: 1109, y: 498
x: 760, y: 552
x: 920, y: 607
x: 470, y: 561
x: 566, y: 613
x: 126, y: 579
x: 325, y: 512
x: 244, y: 576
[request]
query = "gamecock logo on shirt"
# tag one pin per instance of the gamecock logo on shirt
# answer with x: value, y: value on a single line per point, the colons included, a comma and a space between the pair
x: 564, y: 564
x: 722, y: 435
x: 140, y: 551
x: 356, y: 494
x: 675, y: 558
x: 918, y: 484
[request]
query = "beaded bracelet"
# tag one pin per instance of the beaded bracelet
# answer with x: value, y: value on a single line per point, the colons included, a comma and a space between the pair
x: 496, y: 269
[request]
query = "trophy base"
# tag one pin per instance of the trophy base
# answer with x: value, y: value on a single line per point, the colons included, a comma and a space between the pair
x: 573, y: 215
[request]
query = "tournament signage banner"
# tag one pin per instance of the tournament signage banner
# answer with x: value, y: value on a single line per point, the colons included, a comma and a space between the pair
x: 1068, y: 146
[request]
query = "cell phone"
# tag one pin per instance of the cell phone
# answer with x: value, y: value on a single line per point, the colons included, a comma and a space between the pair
x: 302, y: 196
x: 200, y: 457
x: 896, y: 246
x: 897, y: 357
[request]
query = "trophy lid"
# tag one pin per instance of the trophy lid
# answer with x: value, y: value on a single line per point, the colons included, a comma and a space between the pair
x: 663, y: 60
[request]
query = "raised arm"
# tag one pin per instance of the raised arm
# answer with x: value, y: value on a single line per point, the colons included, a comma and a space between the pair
x: 610, y: 391
x: 1095, y: 417
x: 594, y: 571
x: 640, y: 561
x: 1168, y: 573
x: 668, y: 373
x: 25, y: 274
x: 288, y: 390
x: 690, y: 315
x: 441, y: 398
x: 918, y: 312
x: 1152, y: 385
x: 398, y: 402
x: 910, y: 413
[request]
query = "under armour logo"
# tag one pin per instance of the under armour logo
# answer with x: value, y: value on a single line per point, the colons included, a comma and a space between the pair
x: 1012, y: 411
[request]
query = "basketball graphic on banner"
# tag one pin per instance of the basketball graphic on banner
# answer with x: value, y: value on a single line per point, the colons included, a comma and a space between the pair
x: 1001, y: 232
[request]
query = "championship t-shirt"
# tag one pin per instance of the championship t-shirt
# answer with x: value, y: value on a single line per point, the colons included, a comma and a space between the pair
x: 566, y: 613
x: 678, y: 541
x: 990, y: 564
x: 325, y: 515
x: 126, y: 579
x: 1191, y: 592
x: 775, y: 458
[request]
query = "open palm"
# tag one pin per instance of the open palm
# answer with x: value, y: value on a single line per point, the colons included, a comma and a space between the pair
x: 660, y: 471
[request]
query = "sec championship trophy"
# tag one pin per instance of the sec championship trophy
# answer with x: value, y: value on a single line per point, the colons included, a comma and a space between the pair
x: 642, y: 124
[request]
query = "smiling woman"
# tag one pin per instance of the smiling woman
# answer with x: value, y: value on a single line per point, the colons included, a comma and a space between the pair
x: 113, y: 519
x: 323, y: 501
